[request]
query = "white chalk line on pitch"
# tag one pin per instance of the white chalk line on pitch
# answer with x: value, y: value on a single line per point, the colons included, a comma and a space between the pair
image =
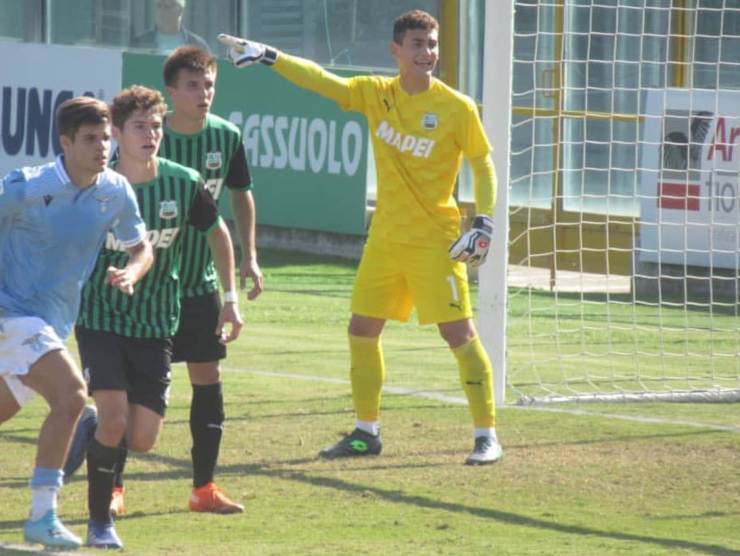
x: 403, y: 391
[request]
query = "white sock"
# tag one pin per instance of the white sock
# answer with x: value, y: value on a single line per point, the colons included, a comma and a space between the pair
x: 484, y: 431
x: 43, y: 499
x: 370, y: 427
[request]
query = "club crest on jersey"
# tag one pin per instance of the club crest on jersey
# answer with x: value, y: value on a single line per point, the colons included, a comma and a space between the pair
x: 168, y: 210
x: 429, y: 120
x: 213, y: 160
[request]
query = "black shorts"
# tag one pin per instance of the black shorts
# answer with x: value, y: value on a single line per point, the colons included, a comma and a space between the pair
x: 140, y: 366
x: 196, y: 341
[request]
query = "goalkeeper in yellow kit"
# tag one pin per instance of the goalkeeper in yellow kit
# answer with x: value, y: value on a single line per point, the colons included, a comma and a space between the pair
x: 420, y: 128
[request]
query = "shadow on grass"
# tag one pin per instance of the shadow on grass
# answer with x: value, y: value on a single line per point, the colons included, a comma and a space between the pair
x: 18, y: 523
x: 182, y: 470
x: 691, y: 516
x: 261, y: 417
x: 10, y: 436
x: 14, y: 482
x: 398, y: 497
x: 248, y: 418
x: 702, y: 433
x: 25, y: 550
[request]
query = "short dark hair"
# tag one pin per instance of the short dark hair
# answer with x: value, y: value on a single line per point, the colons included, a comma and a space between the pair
x: 135, y: 98
x: 414, y: 19
x: 187, y: 57
x: 79, y: 111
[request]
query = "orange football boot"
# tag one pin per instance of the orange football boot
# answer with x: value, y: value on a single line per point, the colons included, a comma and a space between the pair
x: 117, y: 507
x: 210, y: 498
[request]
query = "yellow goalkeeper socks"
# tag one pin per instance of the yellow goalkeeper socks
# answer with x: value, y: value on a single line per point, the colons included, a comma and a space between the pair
x: 367, y: 373
x: 476, y: 376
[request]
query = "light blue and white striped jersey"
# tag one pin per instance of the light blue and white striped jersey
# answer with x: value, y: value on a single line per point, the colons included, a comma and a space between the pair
x: 51, y: 232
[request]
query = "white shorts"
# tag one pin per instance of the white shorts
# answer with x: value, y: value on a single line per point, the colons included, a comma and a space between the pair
x: 23, y: 341
x: 22, y: 393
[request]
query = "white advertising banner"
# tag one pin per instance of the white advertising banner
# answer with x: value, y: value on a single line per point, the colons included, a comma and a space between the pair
x: 35, y: 80
x: 689, y: 176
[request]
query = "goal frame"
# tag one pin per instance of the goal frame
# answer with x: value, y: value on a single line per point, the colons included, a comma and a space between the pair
x: 493, y: 276
x: 498, y: 51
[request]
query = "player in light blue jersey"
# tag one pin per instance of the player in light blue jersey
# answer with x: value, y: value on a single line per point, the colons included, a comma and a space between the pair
x: 53, y: 221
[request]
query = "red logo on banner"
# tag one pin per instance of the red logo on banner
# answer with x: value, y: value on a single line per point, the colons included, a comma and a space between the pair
x: 678, y: 196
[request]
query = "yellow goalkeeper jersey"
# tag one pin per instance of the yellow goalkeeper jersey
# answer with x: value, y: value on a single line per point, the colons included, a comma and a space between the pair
x: 419, y: 142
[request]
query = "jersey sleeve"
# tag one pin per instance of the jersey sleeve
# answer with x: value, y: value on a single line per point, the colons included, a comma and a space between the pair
x: 238, y: 177
x: 203, y: 210
x: 472, y: 137
x: 359, y: 88
x: 311, y: 76
x: 129, y: 228
x: 485, y: 184
x: 12, y: 192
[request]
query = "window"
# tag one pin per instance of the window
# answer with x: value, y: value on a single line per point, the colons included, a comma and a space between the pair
x: 22, y: 20
x: 717, y: 40
x: 332, y: 32
x: 580, y: 76
x: 154, y: 25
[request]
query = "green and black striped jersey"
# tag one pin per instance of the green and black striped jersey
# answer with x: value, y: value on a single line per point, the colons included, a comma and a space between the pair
x: 170, y: 203
x: 217, y: 153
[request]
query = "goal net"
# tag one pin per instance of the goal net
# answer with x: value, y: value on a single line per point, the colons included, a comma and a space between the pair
x: 624, y: 236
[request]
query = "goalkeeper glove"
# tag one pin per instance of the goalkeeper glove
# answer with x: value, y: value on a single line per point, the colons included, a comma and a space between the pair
x: 244, y: 53
x: 473, y: 245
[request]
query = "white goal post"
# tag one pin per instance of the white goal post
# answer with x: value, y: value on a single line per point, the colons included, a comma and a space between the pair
x: 614, y: 272
x: 497, y: 55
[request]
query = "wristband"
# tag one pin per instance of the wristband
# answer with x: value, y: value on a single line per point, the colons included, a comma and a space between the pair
x: 270, y: 56
x: 230, y: 297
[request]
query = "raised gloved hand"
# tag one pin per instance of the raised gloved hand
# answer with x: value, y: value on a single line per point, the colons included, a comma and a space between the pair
x: 244, y: 53
x: 472, y: 247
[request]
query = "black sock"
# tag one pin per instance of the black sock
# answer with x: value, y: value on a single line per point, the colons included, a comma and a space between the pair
x: 120, y: 464
x: 206, y: 427
x: 101, y: 464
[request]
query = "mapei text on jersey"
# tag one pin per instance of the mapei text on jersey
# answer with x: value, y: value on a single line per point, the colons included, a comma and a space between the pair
x: 417, y: 146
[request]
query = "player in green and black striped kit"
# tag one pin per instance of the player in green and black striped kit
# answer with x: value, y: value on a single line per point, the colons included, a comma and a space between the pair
x: 217, y: 154
x: 125, y: 341
x: 213, y: 146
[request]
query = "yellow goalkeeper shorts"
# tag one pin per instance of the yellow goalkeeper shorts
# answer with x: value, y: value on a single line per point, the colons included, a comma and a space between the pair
x: 394, y: 278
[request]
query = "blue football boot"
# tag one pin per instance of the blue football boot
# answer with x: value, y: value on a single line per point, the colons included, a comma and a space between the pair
x: 102, y: 534
x: 50, y: 532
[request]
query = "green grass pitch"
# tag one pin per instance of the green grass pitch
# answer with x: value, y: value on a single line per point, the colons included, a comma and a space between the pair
x: 577, y: 480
